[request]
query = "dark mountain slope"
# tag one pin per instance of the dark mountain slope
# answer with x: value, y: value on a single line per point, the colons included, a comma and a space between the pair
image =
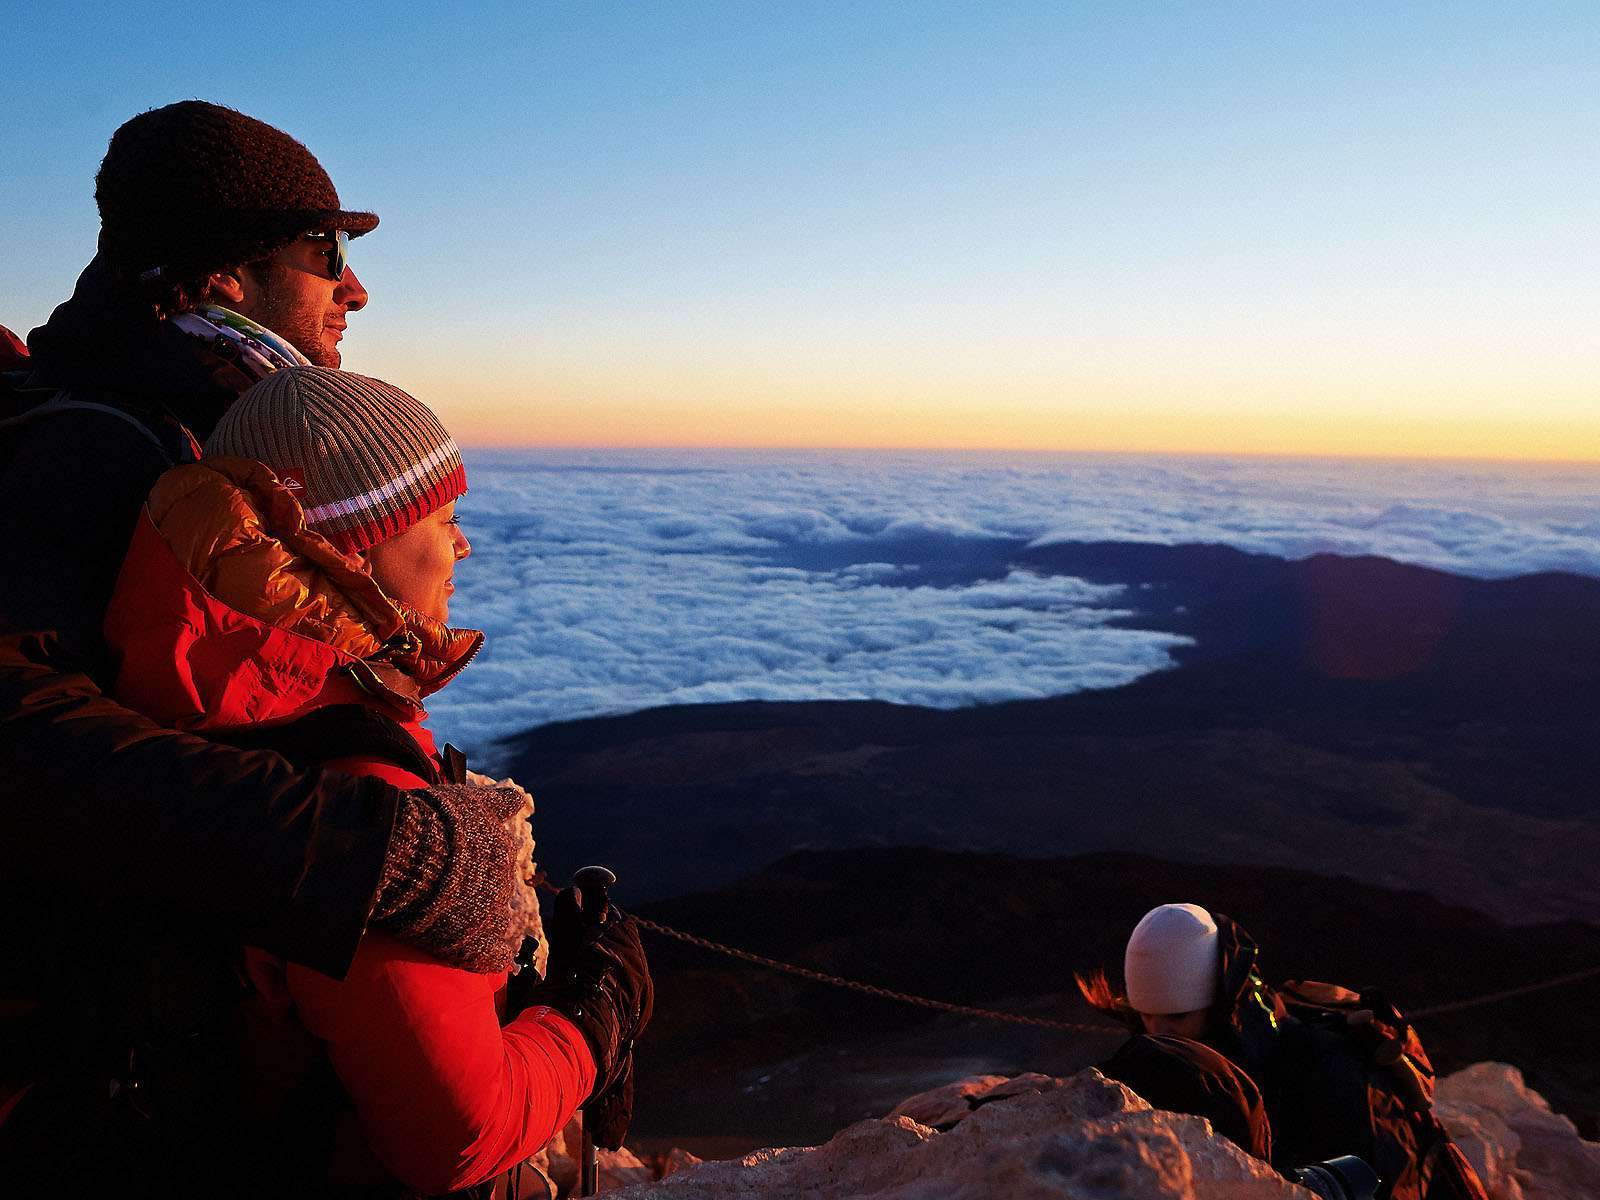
x: 1400, y: 725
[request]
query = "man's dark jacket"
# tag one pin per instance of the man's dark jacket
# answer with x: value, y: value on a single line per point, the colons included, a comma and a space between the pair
x: 115, y: 831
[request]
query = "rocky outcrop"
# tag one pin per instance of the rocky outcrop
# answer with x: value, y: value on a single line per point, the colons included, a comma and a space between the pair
x: 943, y: 1108
x: 1035, y: 1137
x: 1085, y: 1138
x: 1520, y: 1149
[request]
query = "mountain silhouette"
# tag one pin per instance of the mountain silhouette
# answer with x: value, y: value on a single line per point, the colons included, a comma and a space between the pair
x: 1397, y: 724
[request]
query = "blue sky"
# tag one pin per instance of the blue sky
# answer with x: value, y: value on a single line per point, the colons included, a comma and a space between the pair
x: 1173, y: 227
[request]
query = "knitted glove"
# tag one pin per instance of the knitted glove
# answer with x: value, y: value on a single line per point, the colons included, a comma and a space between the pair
x: 599, y: 980
x: 447, y: 881
x: 526, y: 922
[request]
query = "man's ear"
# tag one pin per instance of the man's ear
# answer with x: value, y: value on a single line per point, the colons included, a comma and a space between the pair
x: 225, y: 287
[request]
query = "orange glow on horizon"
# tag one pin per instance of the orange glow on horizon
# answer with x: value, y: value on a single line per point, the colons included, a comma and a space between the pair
x: 713, y: 426
x: 1335, y: 407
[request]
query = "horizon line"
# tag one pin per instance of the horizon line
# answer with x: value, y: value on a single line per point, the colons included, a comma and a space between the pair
x: 1266, y: 455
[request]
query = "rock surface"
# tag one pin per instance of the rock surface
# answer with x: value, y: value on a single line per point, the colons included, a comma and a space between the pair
x: 943, y: 1108
x: 1034, y: 1137
x: 1520, y: 1149
x: 1086, y: 1138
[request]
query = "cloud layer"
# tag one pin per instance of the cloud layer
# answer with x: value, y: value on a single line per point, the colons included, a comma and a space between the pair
x: 609, y: 581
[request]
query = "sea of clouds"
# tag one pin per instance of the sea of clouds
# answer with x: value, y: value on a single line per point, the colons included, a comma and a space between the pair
x: 615, y: 581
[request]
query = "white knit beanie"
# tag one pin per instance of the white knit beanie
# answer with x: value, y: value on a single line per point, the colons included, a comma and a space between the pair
x: 1172, y: 961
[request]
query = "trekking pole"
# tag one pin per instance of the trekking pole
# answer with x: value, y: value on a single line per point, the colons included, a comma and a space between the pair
x: 591, y: 883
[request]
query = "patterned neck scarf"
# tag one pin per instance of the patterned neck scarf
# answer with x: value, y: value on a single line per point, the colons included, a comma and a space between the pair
x: 252, y: 349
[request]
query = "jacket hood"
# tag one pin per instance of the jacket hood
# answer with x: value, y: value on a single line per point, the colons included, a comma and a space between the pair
x: 230, y: 611
x: 1237, y: 953
x: 105, y: 339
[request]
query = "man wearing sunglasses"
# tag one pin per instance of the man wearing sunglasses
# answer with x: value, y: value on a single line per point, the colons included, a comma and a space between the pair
x: 302, y: 291
x: 221, y: 258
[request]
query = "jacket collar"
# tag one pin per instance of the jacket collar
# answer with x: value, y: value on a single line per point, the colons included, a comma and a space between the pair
x: 396, y: 654
x: 415, y: 655
x: 104, y: 339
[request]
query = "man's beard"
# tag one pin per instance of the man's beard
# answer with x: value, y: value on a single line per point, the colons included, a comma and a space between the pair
x: 275, y: 307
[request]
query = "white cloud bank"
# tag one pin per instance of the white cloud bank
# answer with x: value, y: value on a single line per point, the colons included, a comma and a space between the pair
x: 616, y: 581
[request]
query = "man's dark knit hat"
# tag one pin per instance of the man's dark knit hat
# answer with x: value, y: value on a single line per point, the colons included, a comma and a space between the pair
x: 196, y: 187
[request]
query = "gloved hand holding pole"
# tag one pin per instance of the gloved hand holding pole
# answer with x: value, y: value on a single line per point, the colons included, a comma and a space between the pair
x: 599, y: 979
x: 591, y: 884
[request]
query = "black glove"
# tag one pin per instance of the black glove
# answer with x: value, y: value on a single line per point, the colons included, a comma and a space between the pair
x: 598, y: 978
x: 609, y: 1114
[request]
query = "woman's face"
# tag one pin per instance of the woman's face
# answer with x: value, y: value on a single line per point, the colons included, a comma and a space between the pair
x: 417, y: 568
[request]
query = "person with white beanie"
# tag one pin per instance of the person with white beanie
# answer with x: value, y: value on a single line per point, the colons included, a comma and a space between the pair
x: 1265, y: 1064
x: 1172, y: 968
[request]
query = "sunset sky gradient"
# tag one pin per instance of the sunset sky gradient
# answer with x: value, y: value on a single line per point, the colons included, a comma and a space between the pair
x: 1247, y: 228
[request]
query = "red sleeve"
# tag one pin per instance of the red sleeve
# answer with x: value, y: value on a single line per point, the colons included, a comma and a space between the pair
x: 447, y: 1097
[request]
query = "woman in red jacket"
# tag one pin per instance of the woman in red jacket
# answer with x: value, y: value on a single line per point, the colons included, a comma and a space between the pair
x: 291, y: 591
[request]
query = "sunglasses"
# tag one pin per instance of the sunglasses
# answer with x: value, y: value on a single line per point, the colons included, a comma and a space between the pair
x: 338, y: 251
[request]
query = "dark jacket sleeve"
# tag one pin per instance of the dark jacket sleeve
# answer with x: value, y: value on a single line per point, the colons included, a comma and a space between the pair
x: 90, y: 790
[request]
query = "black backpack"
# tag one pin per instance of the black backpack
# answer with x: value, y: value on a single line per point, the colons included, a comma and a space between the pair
x: 1364, y: 1048
x: 23, y: 401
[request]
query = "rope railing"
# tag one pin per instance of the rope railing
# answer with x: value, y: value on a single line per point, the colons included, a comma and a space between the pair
x: 872, y: 989
x: 991, y: 1014
x: 1507, y: 993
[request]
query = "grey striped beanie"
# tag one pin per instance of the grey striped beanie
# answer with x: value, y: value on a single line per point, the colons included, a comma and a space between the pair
x: 365, y: 460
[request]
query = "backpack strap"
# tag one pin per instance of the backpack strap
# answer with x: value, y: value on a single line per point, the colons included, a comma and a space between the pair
x: 1449, y: 1176
x: 61, y: 401
x: 337, y: 731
